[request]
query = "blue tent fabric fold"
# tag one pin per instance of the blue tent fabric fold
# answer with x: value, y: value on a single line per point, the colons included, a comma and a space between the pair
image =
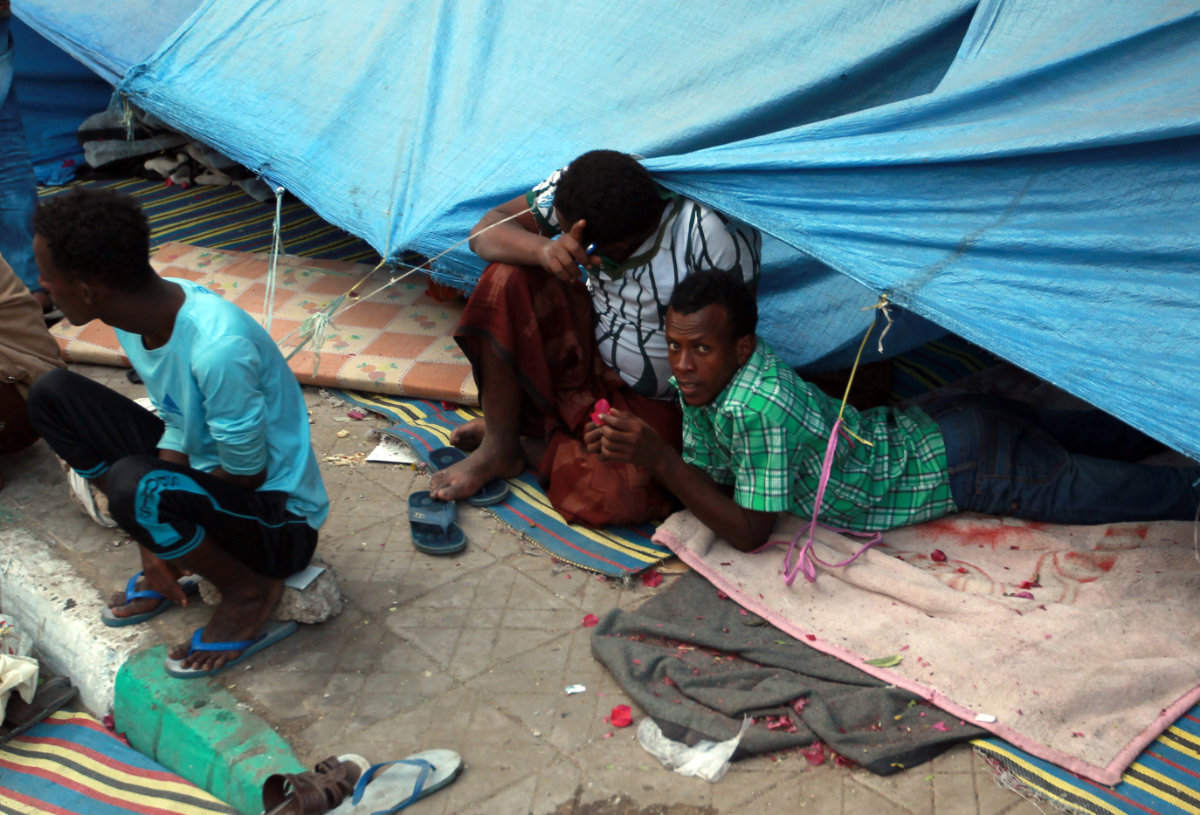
x: 1024, y: 174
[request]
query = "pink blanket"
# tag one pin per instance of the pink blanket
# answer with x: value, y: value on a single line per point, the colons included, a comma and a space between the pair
x: 1081, y: 642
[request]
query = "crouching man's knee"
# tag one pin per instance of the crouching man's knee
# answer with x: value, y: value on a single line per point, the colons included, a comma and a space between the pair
x: 125, y: 479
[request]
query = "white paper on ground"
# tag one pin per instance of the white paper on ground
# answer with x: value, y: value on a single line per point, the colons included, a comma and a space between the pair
x: 302, y: 578
x: 392, y: 451
x: 708, y: 760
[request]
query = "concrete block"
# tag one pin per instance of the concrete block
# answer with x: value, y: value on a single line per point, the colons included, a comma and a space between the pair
x: 198, y: 731
x: 60, y: 610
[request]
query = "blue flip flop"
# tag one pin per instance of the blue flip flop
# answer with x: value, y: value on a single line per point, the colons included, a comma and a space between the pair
x: 190, y: 584
x: 272, y: 632
x: 390, y: 786
x: 493, y: 492
x: 432, y: 525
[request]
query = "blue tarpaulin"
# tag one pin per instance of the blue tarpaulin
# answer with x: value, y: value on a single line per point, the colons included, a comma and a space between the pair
x: 56, y: 94
x: 1026, y: 174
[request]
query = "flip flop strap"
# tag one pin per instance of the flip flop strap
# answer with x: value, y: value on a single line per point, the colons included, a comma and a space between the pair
x: 361, y: 786
x: 199, y: 644
x: 438, y: 519
x: 132, y: 593
x: 441, y: 514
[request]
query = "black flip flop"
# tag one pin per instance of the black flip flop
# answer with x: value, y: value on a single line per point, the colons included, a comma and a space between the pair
x: 19, y: 716
x: 432, y: 525
x: 493, y: 492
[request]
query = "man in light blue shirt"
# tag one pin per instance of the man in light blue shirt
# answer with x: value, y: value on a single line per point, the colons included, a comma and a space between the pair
x: 225, y: 483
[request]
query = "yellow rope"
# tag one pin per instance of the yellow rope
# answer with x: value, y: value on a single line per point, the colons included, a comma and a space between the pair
x: 881, y: 305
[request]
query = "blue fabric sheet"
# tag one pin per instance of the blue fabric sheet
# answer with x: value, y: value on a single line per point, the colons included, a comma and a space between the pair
x: 57, y: 94
x: 1026, y: 174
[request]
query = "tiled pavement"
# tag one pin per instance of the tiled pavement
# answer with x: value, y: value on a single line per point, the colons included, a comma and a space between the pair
x: 471, y: 653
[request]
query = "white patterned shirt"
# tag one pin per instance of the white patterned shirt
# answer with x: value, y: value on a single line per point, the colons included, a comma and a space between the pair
x: 631, y: 309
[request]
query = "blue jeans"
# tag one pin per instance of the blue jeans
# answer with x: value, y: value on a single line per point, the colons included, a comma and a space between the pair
x: 1071, y: 467
x: 18, y: 183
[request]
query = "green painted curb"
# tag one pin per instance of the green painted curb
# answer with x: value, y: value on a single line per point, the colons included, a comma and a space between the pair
x: 195, y: 730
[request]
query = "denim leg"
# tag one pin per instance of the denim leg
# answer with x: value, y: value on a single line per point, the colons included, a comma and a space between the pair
x: 1001, y: 462
x: 1095, y: 433
x: 18, y: 183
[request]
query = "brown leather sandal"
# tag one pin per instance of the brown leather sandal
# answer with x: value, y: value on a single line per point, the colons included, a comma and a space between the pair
x: 314, y: 792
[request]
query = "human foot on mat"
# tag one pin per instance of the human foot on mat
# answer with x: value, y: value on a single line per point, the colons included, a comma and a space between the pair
x: 270, y: 633
x: 139, y: 605
x: 392, y: 785
x: 492, y: 492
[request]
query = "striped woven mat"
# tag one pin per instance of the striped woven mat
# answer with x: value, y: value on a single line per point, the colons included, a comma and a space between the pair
x: 227, y: 218
x: 1163, y: 780
x: 70, y: 764
x: 615, y: 551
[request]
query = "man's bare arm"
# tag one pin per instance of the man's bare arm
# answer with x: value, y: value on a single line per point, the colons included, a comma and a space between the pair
x: 518, y: 241
x: 246, y: 482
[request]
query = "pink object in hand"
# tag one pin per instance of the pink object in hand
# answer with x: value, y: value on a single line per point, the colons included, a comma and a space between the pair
x: 602, y: 407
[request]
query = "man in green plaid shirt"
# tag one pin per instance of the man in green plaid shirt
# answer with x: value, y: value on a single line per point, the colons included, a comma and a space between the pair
x: 755, y: 437
x: 766, y: 435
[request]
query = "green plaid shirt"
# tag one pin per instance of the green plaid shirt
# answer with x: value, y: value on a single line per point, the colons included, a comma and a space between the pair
x: 766, y: 435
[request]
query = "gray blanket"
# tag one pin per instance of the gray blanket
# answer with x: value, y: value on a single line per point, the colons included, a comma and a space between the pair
x: 697, y: 663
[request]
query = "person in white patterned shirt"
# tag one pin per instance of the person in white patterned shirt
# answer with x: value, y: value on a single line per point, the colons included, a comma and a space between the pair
x: 571, y: 311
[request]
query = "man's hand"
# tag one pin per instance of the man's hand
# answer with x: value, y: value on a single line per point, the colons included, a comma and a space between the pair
x: 563, y: 256
x: 625, y: 437
x: 163, y: 576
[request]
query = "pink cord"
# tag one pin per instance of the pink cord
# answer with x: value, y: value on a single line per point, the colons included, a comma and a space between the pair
x: 808, y: 560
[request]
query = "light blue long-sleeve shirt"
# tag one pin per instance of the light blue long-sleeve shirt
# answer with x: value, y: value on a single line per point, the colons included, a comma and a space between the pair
x: 228, y: 399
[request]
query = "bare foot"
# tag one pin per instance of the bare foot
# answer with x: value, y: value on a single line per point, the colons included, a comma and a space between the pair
x: 240, y: 617
x: 119, y: 608
x: 469, y: 436
x: 462, y: 480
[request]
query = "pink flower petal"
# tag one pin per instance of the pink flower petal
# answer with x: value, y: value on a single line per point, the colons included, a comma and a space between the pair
x: 937, y: 556
x: 590, y: 620
x: 621, y: 716
x: 601, y: 407
x: 652, y: 578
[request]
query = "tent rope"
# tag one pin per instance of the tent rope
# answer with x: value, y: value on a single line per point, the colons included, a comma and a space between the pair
x: 1196, y: 528
x: 315, y: 327
x: 807, y: 560
x: 273, y: 265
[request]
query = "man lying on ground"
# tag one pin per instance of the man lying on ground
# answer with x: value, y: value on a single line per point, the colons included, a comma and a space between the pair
x: 755, y: 433
x: 27, y: 351
x: 225, y: 484
x: 545, y: 345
